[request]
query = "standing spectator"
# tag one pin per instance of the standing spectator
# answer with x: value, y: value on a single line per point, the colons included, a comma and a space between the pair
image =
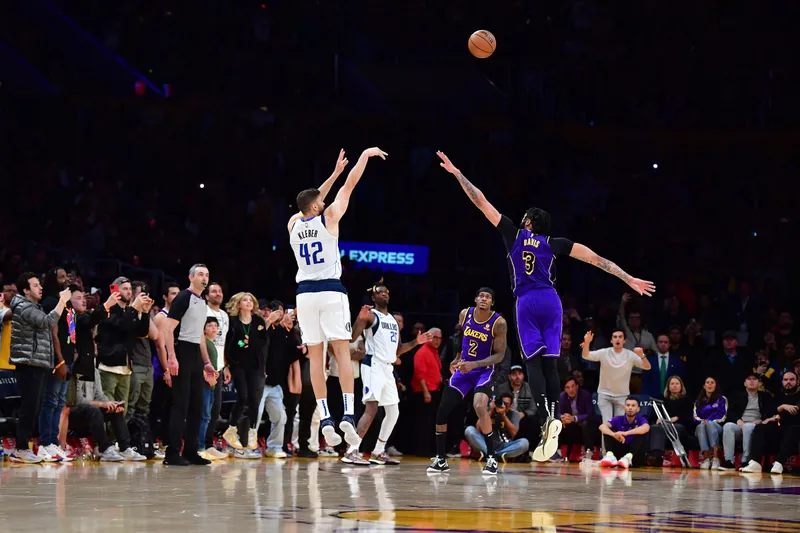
x: 616, y: 364
x: 425, y: 386
x: 283, y: 342
x: 710, y: 411
x: 679, y: 408
x: 576, y: 412
x: 210, y: 332
x: 626, y: 436
x: 245, y: 356
x: 215, y: 297
x: 746, y: 411
x: 32, y: 353
x: 743, y: 314
x: 780, y: 431
x: 664, y: 364
x: 567, y: 362
x: 504, y: 431
x: 730, y: 367
x: 141, y: 391
x: 116, y: 336
x: 188, y: 365
x: 161, y: 402
x: 635, y: 334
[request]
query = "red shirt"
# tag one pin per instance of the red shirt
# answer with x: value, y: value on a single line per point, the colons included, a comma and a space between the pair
x: 427, y: 366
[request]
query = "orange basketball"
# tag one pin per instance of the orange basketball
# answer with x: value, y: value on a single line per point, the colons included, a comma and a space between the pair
x: 482, y: 44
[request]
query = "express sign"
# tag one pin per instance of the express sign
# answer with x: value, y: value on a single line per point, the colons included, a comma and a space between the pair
x: 405, y: 258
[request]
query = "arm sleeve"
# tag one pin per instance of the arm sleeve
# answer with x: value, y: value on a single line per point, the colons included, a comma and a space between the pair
x: 508, y: 230
x: 180, y: 305
x: 561, y: 246
x: 142, y: 325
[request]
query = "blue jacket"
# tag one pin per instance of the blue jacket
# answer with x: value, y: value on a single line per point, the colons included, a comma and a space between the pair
x: 716, y: 411
x: 651, y: 379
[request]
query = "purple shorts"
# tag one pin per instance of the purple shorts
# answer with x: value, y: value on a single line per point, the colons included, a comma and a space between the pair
x: 479, y: 380
x: 539, y: 317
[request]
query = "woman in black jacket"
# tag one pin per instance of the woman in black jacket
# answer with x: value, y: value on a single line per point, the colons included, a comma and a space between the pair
x: 679, y: 406
x: 245, y: 356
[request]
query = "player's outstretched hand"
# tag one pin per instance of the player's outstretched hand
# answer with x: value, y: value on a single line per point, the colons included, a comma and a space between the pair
x: 372, y: 152
x: 642, y: 287
x: 341, y: 163
x: 365, y: 312
x: 446, y: 163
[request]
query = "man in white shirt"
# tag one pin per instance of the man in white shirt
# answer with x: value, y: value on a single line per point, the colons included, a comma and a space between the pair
x: 214, y: 299
x: 616, y: 365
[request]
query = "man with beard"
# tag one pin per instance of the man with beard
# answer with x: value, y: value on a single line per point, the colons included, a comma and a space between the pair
x: 214, y: 298
x: 782, y: 428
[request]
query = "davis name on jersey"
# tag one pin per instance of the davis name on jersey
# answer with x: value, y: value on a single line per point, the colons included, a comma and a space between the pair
x: 316, y: 250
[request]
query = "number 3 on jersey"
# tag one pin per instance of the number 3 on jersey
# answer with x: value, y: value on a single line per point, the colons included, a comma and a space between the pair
x: 530, y: 261
x: 316, y: 248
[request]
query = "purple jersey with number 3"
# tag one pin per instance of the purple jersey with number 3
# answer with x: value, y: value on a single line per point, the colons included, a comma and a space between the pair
x: 531, y: 261
x: 476, y: 345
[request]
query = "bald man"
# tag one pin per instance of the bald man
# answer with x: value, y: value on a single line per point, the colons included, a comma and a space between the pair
x: 425, y: 385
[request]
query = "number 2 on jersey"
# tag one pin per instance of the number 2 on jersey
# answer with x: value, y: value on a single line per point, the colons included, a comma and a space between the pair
x: 530, y: 261
x: 393, y: 337
x: 473, y: 348
x: 316, y: 248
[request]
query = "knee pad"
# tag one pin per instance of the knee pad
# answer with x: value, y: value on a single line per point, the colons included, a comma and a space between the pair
x: 451, y: 398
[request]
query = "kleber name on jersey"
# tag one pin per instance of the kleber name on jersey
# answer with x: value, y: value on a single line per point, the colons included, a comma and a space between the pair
x: 405, y: 258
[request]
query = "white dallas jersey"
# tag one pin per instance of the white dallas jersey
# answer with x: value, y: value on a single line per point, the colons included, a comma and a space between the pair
x: 316, y: 250
x: 382, y: 338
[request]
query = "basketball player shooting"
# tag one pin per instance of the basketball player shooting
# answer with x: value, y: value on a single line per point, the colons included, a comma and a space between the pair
x: 323, y: 311
x: 483, y: 345
x: 382, y: 343
x: 531, y: 255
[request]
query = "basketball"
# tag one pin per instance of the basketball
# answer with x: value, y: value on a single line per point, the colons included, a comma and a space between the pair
x: 481, y: 44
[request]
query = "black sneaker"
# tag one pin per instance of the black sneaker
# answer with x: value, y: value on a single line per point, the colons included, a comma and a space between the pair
x: 195, y: 459
x: 727, y: 465
x: 439, y: 465
x: 305, y: 453
x: 176, y: 460
x: 490, y: 469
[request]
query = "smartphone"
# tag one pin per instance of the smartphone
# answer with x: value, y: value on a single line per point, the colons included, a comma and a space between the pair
x: 114, y: 288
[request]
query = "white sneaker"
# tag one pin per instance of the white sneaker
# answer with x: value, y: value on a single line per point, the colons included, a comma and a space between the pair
x: 394, y: 452
x: 55, y: 451
x: 24, y: 456
x: 328, y: 451
x: 705, y: 465
x: 132, y: 455
x: 231, y: 436
x: 215, y: 454
x: 246, y: 454
x: 159, y: 454
x: 111, y: 455
x: 45, y: 456
x: 777, y: 468
x: 752, y: 466
x: 715, y: 464
x: 609, y: 461
x: 625, y: 462
x: 277, y: 454
x: 252, y: 439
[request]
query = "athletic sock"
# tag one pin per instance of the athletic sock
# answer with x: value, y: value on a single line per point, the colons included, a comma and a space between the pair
x: 349, y: 403
x: 489, y: 438
x: 352, y: 449
x: 322, y: 405
x: 380, y: 446
x: 441, y: 444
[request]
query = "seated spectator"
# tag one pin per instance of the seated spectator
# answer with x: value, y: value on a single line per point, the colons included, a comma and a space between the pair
x: 523, y: 408
x: 577, y: 416
x: 746, y: 411
x: 768, y: 375
x: 664, y: 364
x: 616, y: 364
x: 503, y: 431
x: 90, y: 409
x: 679, y: 408
x: 627, y: 437
x: 710, y: 410
x: 780, y: 431
x: 731, y: 366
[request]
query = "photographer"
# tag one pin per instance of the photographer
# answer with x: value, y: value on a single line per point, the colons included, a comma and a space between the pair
x: 503, y: 431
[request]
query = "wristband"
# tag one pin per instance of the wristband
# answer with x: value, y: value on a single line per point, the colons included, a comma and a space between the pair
x: 59, y: 365
x: 208, y: 363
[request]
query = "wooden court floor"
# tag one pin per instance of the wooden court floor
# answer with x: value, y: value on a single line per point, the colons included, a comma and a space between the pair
x: 298, y: 496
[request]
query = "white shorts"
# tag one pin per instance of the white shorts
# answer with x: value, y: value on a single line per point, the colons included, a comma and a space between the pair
x: 379, y: 383
x: 323, y: 316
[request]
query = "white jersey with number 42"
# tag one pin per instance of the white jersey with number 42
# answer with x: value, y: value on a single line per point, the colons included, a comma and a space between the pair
x: 316, y: 250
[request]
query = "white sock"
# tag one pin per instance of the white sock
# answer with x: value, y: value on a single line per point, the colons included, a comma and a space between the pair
x: 380, y: 446
x: 322, y: 404
x: 352, y: 449
x: 349, y: 403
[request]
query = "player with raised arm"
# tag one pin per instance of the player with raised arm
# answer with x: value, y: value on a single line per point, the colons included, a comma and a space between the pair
x: 483, y: 345
x: 383, y: 351
x: 531, y: 255
x: 323, y: 311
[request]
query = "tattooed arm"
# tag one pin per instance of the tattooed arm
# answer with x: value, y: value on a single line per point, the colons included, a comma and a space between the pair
x: 585, y: 254
x: 472, y: 191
